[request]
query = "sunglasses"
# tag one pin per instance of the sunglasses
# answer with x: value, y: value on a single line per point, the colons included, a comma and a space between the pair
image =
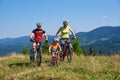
x: 39, y: 26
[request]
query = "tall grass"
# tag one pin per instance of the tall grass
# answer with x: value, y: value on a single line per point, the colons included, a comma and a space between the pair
x: 17, y: 67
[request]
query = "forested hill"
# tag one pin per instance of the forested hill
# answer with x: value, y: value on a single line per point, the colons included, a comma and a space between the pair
x: 106, y: 37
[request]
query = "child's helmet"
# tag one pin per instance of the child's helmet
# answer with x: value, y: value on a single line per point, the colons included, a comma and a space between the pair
x: 56, y: 39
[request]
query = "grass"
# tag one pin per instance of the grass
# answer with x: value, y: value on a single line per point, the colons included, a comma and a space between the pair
x: 17, y: 67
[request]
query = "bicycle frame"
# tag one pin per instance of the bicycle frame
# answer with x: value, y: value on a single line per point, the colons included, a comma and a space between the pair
x: 56, y: 59
x: 67, y: 51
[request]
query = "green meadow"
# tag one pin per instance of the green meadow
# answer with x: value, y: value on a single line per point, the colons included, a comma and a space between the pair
x: 17, y: 67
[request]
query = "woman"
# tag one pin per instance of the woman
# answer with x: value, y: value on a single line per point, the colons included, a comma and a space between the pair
x: 64, y: 30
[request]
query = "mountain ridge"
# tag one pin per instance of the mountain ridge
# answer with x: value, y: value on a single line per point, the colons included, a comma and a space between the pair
x: 105, y: 35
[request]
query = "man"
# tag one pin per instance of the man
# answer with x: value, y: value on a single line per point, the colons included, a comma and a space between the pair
x: 36, y: 37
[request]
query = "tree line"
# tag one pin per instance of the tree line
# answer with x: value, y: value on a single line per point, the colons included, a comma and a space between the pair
x: 76, y: 49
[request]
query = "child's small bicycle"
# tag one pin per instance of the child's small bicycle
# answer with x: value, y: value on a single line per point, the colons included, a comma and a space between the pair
x: 56, y: 58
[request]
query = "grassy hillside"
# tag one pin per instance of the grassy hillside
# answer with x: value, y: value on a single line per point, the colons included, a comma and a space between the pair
x: 17, y: 67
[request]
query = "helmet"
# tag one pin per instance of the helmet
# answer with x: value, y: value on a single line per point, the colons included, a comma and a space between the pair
x: 39, y: 25
x: 56, y: 39
x: 65, y: 21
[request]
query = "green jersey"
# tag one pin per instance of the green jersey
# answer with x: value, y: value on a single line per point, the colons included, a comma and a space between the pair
x: 65, y: 32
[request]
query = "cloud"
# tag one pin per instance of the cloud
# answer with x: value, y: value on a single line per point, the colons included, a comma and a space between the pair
x: 116, y: 23
x: 104, y: 17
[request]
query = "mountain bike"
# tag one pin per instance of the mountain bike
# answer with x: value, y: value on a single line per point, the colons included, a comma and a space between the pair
x: 38, y: 49
x: 68, y: 50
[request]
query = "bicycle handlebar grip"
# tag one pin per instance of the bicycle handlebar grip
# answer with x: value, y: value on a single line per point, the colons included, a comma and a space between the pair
x: 32, y: 40
x: 46, y: 41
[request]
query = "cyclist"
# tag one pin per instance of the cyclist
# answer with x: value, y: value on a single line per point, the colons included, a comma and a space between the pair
x: 55, y: 46
x: 35, y: 37
x: 64, y: 30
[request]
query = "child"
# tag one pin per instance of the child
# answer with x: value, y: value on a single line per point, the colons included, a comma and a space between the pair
x: 54, y: 49
x: 55, y: 46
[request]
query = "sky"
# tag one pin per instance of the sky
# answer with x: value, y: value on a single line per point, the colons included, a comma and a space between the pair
x: 19, y: 17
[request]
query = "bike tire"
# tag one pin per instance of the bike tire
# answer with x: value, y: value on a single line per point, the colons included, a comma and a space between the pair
x: 69, y: 54
x: 32, y: 55
x: 57, y: 62
x: 39, y: 60
x: 39, y: 57
x: 65, y: 53
x: 53, y: 61
x: 61, y: 56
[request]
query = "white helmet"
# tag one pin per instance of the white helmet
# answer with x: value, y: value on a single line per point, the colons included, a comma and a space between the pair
x: 56, y: 39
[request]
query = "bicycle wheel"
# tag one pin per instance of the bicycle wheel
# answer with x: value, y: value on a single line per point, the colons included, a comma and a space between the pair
x: 32, y: 57
x: 53, y: 61
x: 57, y: 60
x: 39, y: 57
x: 38, y: 60
x: 65, y: 53
x: 69, y: 54
x: 61, y: 56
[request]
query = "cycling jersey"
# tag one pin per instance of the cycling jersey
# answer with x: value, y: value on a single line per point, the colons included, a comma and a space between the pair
x: 38, y: 34
x: 65, y: 32
x: 55, y: 46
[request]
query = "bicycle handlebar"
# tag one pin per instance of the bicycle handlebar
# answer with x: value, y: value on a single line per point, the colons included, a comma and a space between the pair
x: 32, y: 40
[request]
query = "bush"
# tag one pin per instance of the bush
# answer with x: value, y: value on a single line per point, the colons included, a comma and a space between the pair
x: 76, y: 46
x: 25, y: 50
x: 91, y: 51
x: 45, y: 47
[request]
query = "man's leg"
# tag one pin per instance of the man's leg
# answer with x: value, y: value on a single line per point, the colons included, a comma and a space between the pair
x: 32, y: 58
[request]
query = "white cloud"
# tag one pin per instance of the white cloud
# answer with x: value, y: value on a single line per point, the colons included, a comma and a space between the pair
x: 116, y: 23
x: 104, y: 17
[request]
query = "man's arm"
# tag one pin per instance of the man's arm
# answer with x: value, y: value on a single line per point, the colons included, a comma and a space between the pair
x: 46, y: 37
x: 31, y: 35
